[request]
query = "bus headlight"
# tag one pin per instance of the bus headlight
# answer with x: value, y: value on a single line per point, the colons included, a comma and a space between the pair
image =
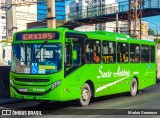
x: 55, y: 84
x: 11, y: 82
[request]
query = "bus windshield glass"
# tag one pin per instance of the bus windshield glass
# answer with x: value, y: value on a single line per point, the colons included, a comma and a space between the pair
x: 36, y: 58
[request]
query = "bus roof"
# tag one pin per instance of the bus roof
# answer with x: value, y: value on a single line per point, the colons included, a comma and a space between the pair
x: 101, y: 35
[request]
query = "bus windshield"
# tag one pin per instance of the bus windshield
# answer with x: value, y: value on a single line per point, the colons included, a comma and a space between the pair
x: 36, y: 58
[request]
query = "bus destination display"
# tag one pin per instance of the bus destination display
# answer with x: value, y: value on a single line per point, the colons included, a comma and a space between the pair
x: 38, y: 36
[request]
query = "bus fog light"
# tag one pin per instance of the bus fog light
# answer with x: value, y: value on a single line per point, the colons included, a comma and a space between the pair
x: 11, y: 82
x: 55, y: 84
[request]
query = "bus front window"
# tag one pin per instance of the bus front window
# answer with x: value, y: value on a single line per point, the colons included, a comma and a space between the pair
x: 36, y: 58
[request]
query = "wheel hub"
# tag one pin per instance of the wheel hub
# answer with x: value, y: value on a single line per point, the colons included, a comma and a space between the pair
x: 85, y: 94
x: 134, y: 87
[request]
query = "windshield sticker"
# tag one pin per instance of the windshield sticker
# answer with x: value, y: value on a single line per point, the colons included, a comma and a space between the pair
x: 26, y: 70
x: 34, y: 68
x: 47, y: 67
x: 41, y: 71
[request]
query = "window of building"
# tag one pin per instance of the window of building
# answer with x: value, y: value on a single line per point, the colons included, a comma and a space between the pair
x: 3, y: 17
x: 134, y: 53
x: 144, y: 53
x: 3, y: 37
x: 93, y: 51
x: 108, y: 51
x: 4, y: 28
x: 122, y: 52
x: 152, y: 53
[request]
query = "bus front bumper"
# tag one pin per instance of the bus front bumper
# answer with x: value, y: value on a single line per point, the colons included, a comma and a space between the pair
x: 19, y: 91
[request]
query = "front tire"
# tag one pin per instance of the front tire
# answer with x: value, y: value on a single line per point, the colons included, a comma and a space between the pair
x: 85, y: 95
x: 133, y: 87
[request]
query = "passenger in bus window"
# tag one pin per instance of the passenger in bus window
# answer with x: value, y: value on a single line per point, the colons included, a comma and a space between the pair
x: 95, y: 57
x: 126, y: 59
x: 136, y: 59
x: 105, y: 51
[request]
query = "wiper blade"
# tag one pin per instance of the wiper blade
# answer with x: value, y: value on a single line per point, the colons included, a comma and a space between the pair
x: 24, y: 48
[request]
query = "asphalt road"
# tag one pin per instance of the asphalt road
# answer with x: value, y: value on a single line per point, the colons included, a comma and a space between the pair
x: 99, y: 107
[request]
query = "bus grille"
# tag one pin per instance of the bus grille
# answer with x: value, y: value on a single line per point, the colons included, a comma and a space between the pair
x: 31, y: 80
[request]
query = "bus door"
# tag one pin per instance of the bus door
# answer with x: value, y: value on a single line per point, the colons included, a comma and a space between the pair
x: 74, y: 58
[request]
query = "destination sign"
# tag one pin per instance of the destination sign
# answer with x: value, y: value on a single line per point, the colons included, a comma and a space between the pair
x: 38, y: 36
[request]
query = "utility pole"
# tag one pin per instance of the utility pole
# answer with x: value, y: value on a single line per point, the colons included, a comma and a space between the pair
x: 51, y: 20
x: 135, y: 15
x: 117, y: 23
x: 129, y: 17
x: 11, y: 21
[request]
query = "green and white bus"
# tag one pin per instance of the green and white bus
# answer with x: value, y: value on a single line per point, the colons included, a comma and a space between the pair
x: 61, y: 64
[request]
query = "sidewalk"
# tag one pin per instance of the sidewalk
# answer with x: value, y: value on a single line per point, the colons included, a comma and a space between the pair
x: 4, y: 100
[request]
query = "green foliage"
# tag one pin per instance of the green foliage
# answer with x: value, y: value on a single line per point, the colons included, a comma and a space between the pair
x: 151, y: 32
x: 3, y: 41
x: 157, y: 40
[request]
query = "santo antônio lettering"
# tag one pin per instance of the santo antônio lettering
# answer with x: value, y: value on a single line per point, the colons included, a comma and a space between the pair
x: 37, y: 36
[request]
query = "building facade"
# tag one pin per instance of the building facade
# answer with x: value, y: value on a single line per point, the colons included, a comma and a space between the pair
x: 123, y: 27
x: 2, y: 23
x: 28, y: 14
x: 60, y: 7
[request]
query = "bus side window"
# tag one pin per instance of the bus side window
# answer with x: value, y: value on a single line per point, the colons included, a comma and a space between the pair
x: 122, y: 52
x: 134, y: 53
x: 152, y: 53
x: 144, y: 53
x: 88, y: 51
x: 92, y: 49
x: 78, y: 52
x: 108, y: 51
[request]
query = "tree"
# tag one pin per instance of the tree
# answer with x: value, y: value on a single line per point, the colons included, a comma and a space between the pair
x: 157, y: 40
x: 151, y: 32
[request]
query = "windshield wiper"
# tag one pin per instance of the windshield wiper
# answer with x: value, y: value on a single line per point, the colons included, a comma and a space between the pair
x: 23, y: 46
x: 39, y: 49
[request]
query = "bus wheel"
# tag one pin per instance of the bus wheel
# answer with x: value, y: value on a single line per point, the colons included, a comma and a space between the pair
x: 134, y: 87
x: 85, y: 95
